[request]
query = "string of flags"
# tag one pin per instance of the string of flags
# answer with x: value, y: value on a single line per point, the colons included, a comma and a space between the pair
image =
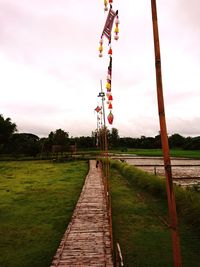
x: 112, y: 18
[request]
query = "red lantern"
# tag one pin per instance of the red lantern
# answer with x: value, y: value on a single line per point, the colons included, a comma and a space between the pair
x: 110, y: 105
x: 110, y: 118
x: 110, y: 51
x: 110, y: 98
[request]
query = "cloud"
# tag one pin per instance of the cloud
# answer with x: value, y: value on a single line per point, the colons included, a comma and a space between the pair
x: 188, y: 127
x: 50, y: 70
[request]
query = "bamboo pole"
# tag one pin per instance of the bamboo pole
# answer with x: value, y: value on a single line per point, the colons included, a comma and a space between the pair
x: 108, y: 197
x: 165, y: 144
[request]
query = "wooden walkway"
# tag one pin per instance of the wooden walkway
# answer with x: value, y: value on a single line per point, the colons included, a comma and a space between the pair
x: 87, y: 240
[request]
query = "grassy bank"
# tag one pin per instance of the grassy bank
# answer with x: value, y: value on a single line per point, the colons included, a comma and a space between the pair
x: 36, y: 203
x: 137, y: 203
x: 188, y: 202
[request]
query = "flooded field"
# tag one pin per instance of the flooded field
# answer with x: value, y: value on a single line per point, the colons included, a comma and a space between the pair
x: 184, y: 171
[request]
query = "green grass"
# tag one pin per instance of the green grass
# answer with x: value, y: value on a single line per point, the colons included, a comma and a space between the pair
x: 187, y: 201
x: 145, y: 241
x: 158, y: 153
x: 141, y: 236
x: 36, y: 203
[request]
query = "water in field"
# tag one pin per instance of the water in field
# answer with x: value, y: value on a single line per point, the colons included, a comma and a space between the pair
x: 184, y: 171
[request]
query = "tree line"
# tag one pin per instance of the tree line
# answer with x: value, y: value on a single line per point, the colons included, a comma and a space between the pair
x: 12, y: 142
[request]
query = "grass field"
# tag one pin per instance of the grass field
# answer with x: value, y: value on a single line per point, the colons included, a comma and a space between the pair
x: 36, y: 203
x: 145, y: 241
x: 37, y: 199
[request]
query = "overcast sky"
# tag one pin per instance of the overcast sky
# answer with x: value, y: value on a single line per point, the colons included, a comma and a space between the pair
x: 50, y: 70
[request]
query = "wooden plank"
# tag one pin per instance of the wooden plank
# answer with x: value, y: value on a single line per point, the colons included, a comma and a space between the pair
x: 87, y: 240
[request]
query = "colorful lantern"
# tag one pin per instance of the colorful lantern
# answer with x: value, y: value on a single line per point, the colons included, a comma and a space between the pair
x: 110, y: 98
x: 116, y: 28
x: 108, y: 86
x: 110, y: 118
x: 105, y: 5
x: 110, y: 105
x: 101, y: 47
x: 110, y: 51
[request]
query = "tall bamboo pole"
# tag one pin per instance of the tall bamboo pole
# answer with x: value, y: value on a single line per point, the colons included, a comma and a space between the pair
x: 104, y: 138
x: 165, y: 144
x: 102, y: 99
x: 108, y: 197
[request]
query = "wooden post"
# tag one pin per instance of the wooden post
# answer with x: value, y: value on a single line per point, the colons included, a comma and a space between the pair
x: 165, y: 144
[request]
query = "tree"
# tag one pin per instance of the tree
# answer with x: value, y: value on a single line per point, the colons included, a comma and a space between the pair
x: 7, y: 129
x: 114, y: 138
x: 59, y: 138
x: 192, y: 143
x: 23, y: 143
x: 158, y: 141
x: 176, y: 141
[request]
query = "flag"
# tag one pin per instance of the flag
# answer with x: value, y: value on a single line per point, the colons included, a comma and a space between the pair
x: 97, y: 109
x: 109, y: 24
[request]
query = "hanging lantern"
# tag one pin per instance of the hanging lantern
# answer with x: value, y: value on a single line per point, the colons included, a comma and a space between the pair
x: 116, y: 37
x: 105, y: 5
x: 110, y: 118
x: 116, y: 29
x: 110, y: 51
x: 101, y: 41
x: 108, y: 86
x: 101, y: 47
x: 110, y: 98
x: 108, y: 94
x: 117, y: 21
x: 110, y: 105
